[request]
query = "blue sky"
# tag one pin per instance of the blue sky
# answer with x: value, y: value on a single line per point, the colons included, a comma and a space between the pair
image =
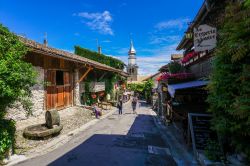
x: 156, y: 26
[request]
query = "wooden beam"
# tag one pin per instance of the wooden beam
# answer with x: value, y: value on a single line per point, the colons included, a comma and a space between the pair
x: 102, y: 76
x: 85, y: 74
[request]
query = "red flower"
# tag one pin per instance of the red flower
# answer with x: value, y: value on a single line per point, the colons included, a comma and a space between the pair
x: 93, y: 95
x: 189, y: 56
x: 180, y: 76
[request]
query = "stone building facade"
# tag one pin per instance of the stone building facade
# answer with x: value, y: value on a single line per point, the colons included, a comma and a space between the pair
x: 58, y: 79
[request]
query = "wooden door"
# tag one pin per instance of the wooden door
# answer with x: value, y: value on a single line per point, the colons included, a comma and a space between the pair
x: 58, y: 96
x: 51, y: 89
x: 67, y: 89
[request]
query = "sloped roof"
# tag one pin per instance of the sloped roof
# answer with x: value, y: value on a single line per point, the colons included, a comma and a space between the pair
x: 41, y: 48
x: 149, y: 77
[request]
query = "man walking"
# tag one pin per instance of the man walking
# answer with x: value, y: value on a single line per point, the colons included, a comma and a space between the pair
x: 119, y: 106
x: 134, y: 103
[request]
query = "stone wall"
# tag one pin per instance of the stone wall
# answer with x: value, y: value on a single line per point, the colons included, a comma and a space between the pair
x: 202, y: 69
x: 18, y: 113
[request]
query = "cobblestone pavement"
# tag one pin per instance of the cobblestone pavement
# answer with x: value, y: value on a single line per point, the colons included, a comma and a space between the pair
x: 128, y: 139
x: 71, y: 118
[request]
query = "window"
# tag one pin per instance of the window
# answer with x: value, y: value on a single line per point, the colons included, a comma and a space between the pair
x: 59, y: 77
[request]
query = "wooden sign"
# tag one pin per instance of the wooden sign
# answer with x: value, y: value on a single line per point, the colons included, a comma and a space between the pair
x: 199, y: 126
x: 97, y: 86
x: 204, y: 38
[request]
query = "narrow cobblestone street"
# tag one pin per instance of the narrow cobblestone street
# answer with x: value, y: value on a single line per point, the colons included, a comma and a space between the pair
x: 127, y: 139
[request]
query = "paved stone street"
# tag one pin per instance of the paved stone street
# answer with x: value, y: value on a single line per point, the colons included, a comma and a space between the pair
x: 127, y: 139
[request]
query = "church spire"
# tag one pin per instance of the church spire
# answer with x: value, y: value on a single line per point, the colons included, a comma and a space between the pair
x: 132, y: 50
x: 132, y: 67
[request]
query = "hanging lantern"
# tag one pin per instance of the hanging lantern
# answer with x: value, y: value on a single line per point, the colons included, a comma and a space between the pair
x: 188, y: 35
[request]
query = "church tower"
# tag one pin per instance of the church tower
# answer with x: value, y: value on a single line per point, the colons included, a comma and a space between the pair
x: 132, y: 68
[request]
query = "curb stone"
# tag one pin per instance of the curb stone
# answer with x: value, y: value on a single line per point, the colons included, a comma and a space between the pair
x: 56, y: 143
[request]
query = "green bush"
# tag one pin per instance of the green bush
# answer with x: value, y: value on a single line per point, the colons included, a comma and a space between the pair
x: 16, y: 78
x: 144, y: 89
x: 229, y: 89
x: 213, y: 151
x: 7, y: 136
x: 175, y: 67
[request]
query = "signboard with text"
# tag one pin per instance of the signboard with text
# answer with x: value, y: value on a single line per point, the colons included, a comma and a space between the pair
x: 97, y: 86
x: 204, y: 38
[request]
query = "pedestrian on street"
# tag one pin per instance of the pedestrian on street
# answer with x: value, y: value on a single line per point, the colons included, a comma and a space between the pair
x: 119, y: 106
x: 96, y: 111
x: 134, y: 103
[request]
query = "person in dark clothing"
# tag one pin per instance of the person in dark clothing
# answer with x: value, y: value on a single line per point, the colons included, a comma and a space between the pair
x: 96, y: 111
x: 134, y: 103
x: 119, y: 106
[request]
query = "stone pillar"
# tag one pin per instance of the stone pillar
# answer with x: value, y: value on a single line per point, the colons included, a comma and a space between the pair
x: 76, y: 88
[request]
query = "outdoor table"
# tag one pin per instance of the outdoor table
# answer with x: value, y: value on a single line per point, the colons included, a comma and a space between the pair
x: 106, y: 104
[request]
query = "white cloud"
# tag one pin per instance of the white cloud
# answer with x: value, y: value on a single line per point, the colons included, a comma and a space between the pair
x: 106, y: 41
x: 68, y: 50
x: 161, y: 39
x: 175, y: 23
x: 98, y: 21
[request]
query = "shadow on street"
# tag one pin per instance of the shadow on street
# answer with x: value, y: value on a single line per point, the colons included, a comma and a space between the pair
x: 130, y: 149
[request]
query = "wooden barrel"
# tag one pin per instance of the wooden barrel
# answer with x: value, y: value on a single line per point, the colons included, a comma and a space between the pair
x: 52, y: 118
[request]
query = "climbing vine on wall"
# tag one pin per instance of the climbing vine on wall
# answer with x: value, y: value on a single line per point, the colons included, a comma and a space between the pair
x: 115, y: 63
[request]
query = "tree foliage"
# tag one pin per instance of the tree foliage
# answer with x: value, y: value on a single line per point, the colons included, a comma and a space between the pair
x: 16, y: 76
x: 115, y: 63
x: 229, y: 96
x: 175, y: 67
x: 144, y: 89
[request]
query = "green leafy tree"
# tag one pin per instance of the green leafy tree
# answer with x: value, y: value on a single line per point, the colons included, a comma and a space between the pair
x: 229, y: 96
x: 148, y: 85
x: 175, y: 67
x: 16, y: 78
x: 144, y: 89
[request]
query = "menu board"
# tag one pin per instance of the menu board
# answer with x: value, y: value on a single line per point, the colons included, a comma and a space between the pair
x: 199, y: 126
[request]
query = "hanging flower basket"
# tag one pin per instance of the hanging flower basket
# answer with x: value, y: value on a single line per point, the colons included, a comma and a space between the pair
x: 189, y: 56
x: 101, y: 94
x: 175, y: 78
x: 93, y: 95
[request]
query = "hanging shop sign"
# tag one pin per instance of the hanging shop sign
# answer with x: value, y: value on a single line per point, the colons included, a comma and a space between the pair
x: 97, y: 86
x: 204, y: 38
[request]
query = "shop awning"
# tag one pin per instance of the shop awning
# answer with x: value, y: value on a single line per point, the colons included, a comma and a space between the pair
x: 173, y: 87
